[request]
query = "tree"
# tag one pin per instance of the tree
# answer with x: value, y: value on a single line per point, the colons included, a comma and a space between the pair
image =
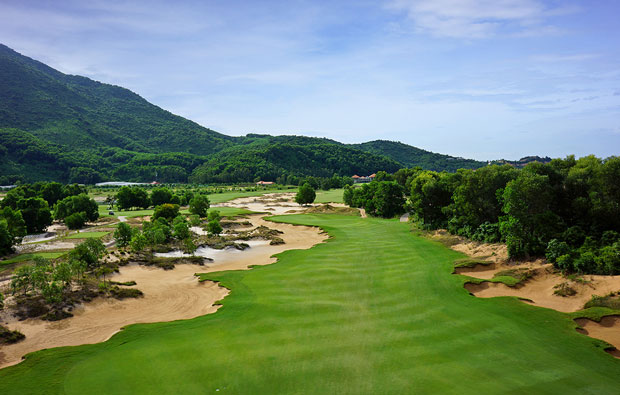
x: 214, y: 215
x: 75, y: 220
x: 214, y: 227
x: 89, y: 251
x: 131, y: 197
x: 36, y: 214
x: 52, y: 192
x: 167, y: 211
x: 305, y: 195
x: 6, y: 239
x: 189, y: 246
x: 138, y: 242
x: 15, y: 223
x: 389, y: 199
x: 77, y: 204
x: 199, y: 205
x: 161, y: 196
x: 529, y: 222
x: 122, y: 234
x: 181, y: 231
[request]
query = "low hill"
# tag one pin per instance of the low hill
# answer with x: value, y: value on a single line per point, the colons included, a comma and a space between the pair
x: 410, y: 156
x: 69, y: 128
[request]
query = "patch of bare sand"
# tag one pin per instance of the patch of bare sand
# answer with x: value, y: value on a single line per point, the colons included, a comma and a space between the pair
x: 608, y: 330
x: 168, y: 295
x: 541, y: 287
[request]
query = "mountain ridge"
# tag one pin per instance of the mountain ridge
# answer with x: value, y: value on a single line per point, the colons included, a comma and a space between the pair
x: 56, y: 126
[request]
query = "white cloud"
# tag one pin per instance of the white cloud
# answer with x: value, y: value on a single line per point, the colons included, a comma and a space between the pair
x: 479, y: 18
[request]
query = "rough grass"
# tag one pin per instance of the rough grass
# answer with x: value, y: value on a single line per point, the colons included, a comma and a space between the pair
x: 611, y: 301
x: 510, y: 277
x: 470, y: 262
x: 328, y: 209
x: 375, y: 309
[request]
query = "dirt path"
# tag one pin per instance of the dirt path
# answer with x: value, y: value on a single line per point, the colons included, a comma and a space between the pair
x: 168, y: 295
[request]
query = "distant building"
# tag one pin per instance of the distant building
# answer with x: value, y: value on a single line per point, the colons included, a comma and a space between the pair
x: 264, y: 183
x: 359, y: 180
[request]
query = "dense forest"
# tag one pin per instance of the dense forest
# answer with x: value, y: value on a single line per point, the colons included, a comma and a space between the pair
x: 567, y: 210
x: 69, y: 128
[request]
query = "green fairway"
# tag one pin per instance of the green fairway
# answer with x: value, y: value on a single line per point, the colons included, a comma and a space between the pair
x: 331, y: 196
x: 87, y: 235
x: 28, y: 257
x: 374, y: 310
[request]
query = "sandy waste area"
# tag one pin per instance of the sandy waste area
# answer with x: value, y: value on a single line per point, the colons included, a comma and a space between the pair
x: 539, y: 289
x: 168, y: 295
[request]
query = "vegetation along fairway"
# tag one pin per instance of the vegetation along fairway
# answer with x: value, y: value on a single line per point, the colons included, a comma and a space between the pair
x: 373, y: 310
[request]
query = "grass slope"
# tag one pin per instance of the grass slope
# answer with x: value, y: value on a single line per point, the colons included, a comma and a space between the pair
x: 87, y: 235
x: 373, y: 310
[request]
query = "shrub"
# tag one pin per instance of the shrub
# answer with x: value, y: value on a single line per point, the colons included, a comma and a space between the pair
x: 199, y: 205
x: 556, y: 249
x: 167, y: 211
x: 305, y: 195
x: 122, y: 234
x: 214, y: 227
x: 10, y: 337
x: 75, y: 220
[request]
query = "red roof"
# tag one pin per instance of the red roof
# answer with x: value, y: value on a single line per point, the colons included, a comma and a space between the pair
x: 355, y: 176
x: 372, y: 175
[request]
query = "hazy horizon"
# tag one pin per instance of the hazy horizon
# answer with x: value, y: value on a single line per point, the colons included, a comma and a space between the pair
x: 479, y: 79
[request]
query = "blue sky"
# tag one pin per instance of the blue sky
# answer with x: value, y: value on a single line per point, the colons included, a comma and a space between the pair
x: 481, y: 79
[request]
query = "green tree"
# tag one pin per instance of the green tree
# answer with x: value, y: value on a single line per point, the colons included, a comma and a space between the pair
x: 36, y: 214
x: 181, y: 231
x: 167, y: 211
x: 15, y: 223
x: 75, y: 220
x: 123, y: 234
x: 138, y: 242
x: 199, y: 205
x: 6, y: 238
x: 305, y: 195
x: 161, y: 196
x: 214, y: 215
x: 89, y: 251
x: 77, y: 204
x: 529, y: 222
x: 214, y: 227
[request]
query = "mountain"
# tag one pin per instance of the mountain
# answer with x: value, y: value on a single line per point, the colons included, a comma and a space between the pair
x: 68, y: 128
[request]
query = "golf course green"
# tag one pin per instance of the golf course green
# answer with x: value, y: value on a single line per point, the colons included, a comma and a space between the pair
x: 375, y: 309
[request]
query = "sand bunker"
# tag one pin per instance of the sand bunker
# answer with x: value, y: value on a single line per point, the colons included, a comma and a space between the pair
x: 168, y: 295
x: 608, y: 330
x: 541, y: 287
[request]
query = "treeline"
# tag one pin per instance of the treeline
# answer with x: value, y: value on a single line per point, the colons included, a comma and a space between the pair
x: 30, y: 209
x: 567, y: 210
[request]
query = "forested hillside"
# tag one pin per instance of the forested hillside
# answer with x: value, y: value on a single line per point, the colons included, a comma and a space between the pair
x: 69, y: 128
x: 410, y: 156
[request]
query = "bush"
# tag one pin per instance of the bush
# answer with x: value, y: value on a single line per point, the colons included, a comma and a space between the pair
x: 75, y: 220
x: 122, y: 234
x: 214, y: 227
x: 10, y: 337
x: 556, y: 249
x: 199, y: 205
x: 167, y: 211
x: 305, y: 195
